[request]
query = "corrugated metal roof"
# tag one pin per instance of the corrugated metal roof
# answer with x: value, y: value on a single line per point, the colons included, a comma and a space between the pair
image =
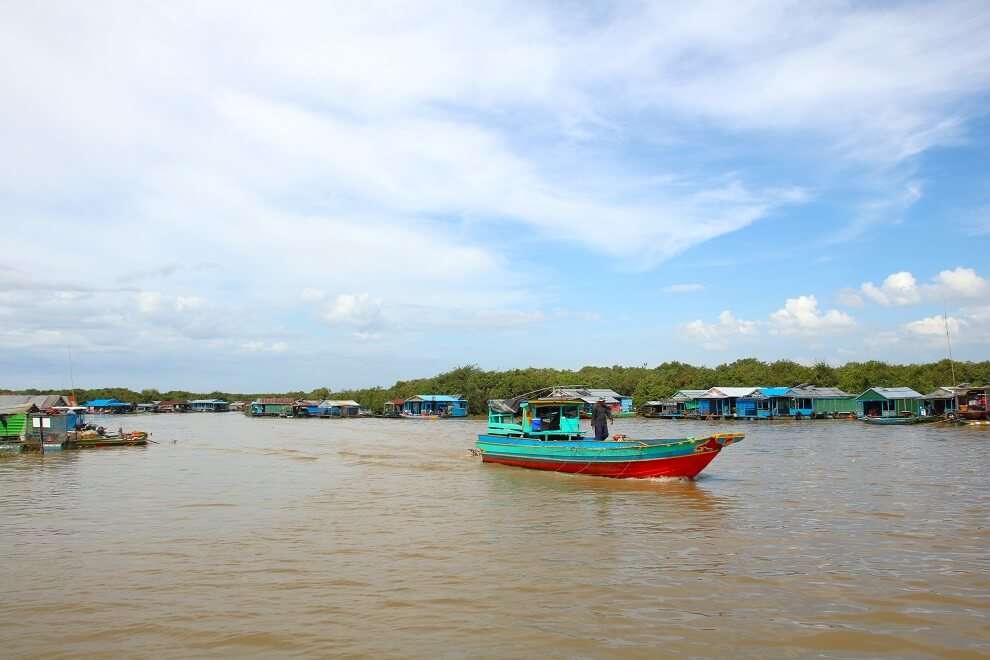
x: 207, y: 401
x: 730, y: 392
x: 42, y: 401
x: 334, y: 403
x: 16, y: 408
x: 812, y: 392
x: 688, y: 394
x: 274, y: 401
x: 942, y: 393
x: 894, y: 392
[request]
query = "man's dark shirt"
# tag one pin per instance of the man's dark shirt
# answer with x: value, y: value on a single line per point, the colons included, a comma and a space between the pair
x: 599, y: 414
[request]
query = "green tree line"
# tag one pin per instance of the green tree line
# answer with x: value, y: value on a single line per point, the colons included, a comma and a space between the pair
x: 643, y: 383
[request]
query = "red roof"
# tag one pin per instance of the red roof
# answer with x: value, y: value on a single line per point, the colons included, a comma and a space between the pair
x: 397, y: 402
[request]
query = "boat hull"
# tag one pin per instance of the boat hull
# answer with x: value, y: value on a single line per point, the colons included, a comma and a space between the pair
x: 683, y: 458
x: 899, y: 421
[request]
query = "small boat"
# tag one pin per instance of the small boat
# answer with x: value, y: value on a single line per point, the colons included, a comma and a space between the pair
x: 420, y: 416
x: 84, y: 440
x: 545, y: 434
x: 900, y: 421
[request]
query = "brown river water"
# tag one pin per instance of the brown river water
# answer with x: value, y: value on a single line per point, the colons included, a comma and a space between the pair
x: 386, y: 538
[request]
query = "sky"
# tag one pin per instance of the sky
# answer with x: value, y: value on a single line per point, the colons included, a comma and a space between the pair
x: 256, y: 196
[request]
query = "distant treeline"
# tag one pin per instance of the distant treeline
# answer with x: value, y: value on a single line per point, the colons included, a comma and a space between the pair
x: 643, y: 383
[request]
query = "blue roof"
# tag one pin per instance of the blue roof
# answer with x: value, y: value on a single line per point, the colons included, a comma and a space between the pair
x: 439, y: 397
x: 106, y: 403
x: 775, y: 391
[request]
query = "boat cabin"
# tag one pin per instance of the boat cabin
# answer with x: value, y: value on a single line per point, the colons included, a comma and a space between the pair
x: 889, y: 402
x: 940, y: 401
x: 619, y: 404
x: 547, y: 419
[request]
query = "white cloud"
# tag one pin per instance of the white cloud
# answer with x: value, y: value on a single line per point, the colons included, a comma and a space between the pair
x: 717, y: 335
x: 934, y: 326
x: 898, y: 289
x: 800, y: 316
x: 684, y: 288
x: 359, y: 310
x: 959, y: 283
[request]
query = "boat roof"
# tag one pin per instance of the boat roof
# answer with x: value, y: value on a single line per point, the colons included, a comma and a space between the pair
x: 513, y: 405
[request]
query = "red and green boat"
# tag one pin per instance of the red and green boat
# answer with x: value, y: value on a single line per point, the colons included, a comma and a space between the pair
x: 545, y: 434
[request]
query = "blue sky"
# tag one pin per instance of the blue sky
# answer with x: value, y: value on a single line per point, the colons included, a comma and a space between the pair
x: 250, y: 197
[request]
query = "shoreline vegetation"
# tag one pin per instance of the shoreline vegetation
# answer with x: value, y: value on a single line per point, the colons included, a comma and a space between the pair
x: 643, y: 383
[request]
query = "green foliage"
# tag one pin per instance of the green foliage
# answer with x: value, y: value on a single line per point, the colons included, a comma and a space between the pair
x: 643, y: 383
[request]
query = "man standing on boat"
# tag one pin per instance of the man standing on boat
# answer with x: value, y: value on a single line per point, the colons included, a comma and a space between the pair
x: 600, y: 417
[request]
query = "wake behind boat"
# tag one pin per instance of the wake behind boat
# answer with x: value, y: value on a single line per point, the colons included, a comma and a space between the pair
x: 545, y: 434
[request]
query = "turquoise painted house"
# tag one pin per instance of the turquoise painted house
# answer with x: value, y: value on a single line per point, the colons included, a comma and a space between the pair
x: 888, y: 402
x: 444, y: 405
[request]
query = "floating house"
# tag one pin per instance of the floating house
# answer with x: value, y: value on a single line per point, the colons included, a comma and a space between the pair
x: 683, y: 403
x: 663, y: 409
x: 722, y: 401
x: 209, y: 405
x: 338, y: 408
x: 271, y: 407
x: 108, y: 406
x: 888, y: 402
x: 173, y: 406
x: 620, y: 404
x: 443, y: 405
x: 811, y: 401
x: 305, y: 408
x: 941, y: 401
x: 393, y: 408
x: 13, y: 421
x: 764, y: 403
x: 148, y: 407
x: 238, y: 406
x: 15, y: 417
